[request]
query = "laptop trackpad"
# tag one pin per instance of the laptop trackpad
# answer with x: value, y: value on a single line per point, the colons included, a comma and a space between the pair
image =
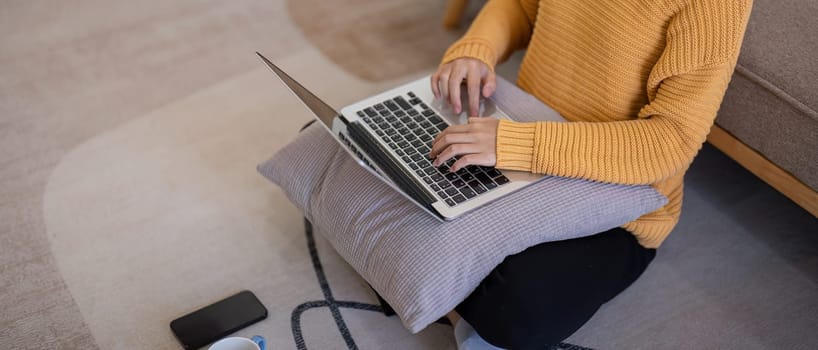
x: 487, y: 108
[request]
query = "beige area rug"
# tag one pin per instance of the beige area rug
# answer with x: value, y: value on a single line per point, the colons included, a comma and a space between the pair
x: 167, y: 213
x: 73, y: 72
x: 381, y: 39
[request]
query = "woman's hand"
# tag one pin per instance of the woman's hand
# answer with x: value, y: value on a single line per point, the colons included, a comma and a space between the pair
x: 446, y: 82
x: 475, y: 142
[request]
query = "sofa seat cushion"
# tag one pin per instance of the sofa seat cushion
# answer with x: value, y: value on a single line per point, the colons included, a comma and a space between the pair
x: 772, y: 103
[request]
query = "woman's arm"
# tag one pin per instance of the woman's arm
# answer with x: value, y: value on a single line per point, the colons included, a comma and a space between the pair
x: 668, y: 133
x: 502, y: 27
x: 685, y: 89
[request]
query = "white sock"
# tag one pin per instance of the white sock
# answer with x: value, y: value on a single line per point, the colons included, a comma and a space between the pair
x: 468, y: 339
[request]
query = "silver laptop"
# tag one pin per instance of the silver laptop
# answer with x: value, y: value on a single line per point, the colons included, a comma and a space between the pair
x: 390, y: 134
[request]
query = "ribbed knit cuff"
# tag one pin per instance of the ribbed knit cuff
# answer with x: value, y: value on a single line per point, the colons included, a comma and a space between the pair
x: 515, y: 145
x: 474, y: 48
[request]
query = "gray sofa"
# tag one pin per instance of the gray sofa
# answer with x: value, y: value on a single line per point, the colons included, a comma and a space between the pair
x: 771, y: 106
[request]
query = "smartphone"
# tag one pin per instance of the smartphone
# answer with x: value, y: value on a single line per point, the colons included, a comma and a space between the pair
x: 217, y: 320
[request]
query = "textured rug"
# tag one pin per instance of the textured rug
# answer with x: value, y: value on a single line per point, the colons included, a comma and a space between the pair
x: 175, y: 216
x: 379, y: 40
x: 71, y: 71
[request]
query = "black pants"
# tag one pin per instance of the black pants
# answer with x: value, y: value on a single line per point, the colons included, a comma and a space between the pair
x: 539, y: 297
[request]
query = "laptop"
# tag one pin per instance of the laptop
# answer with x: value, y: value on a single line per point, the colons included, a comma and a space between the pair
x: 390, y: 135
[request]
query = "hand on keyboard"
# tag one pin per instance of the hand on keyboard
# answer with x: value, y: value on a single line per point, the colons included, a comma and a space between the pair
x: 474, y: 143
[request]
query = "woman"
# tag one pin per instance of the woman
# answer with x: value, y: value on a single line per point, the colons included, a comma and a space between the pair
x: 641, y: 82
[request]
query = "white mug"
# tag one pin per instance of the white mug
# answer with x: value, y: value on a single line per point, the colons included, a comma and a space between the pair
x: 239, y: 343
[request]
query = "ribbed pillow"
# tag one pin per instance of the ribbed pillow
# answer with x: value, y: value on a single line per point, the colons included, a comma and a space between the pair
x: 423, y: 268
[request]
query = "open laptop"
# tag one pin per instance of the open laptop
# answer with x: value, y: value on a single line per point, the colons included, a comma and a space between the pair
x: 390, y: 134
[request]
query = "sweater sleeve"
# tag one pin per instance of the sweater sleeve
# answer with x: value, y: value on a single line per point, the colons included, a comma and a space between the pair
x: 663, y: 140
x: 502, y: 27
x: 685, y: 89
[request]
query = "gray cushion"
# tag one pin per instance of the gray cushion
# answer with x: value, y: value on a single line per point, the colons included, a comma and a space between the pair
x: 423, y: 268
x: 772, y: 103
x: 780, y: 46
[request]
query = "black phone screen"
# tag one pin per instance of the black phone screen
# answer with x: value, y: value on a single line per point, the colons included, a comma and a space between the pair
x: 217, y: 320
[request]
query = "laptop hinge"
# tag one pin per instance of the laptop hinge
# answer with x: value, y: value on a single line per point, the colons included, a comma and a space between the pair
x: 344, y: 120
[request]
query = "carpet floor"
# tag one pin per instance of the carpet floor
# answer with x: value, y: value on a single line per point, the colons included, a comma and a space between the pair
x: 129, y: 136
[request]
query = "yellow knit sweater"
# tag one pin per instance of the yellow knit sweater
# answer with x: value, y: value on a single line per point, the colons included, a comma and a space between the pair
x: 640, y: 80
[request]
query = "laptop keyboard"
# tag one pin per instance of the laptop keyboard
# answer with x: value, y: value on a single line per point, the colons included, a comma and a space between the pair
x: 408, y: 127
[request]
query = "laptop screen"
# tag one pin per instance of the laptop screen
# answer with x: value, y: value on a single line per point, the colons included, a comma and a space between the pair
x: 323, y: 111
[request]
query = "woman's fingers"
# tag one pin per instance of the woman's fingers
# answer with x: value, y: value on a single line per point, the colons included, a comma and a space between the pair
x: 455, y: 79
x: 447, y: 80
x: 435, y: 80
x: 451, y: 129
x: 474, y: 141
x: 443, y: 83
x: 485, y: 159
x: 445, y: 139
x: 489, y: 84
x: 440, y: 80
x: 454, y: 150
x: 473, y: 88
